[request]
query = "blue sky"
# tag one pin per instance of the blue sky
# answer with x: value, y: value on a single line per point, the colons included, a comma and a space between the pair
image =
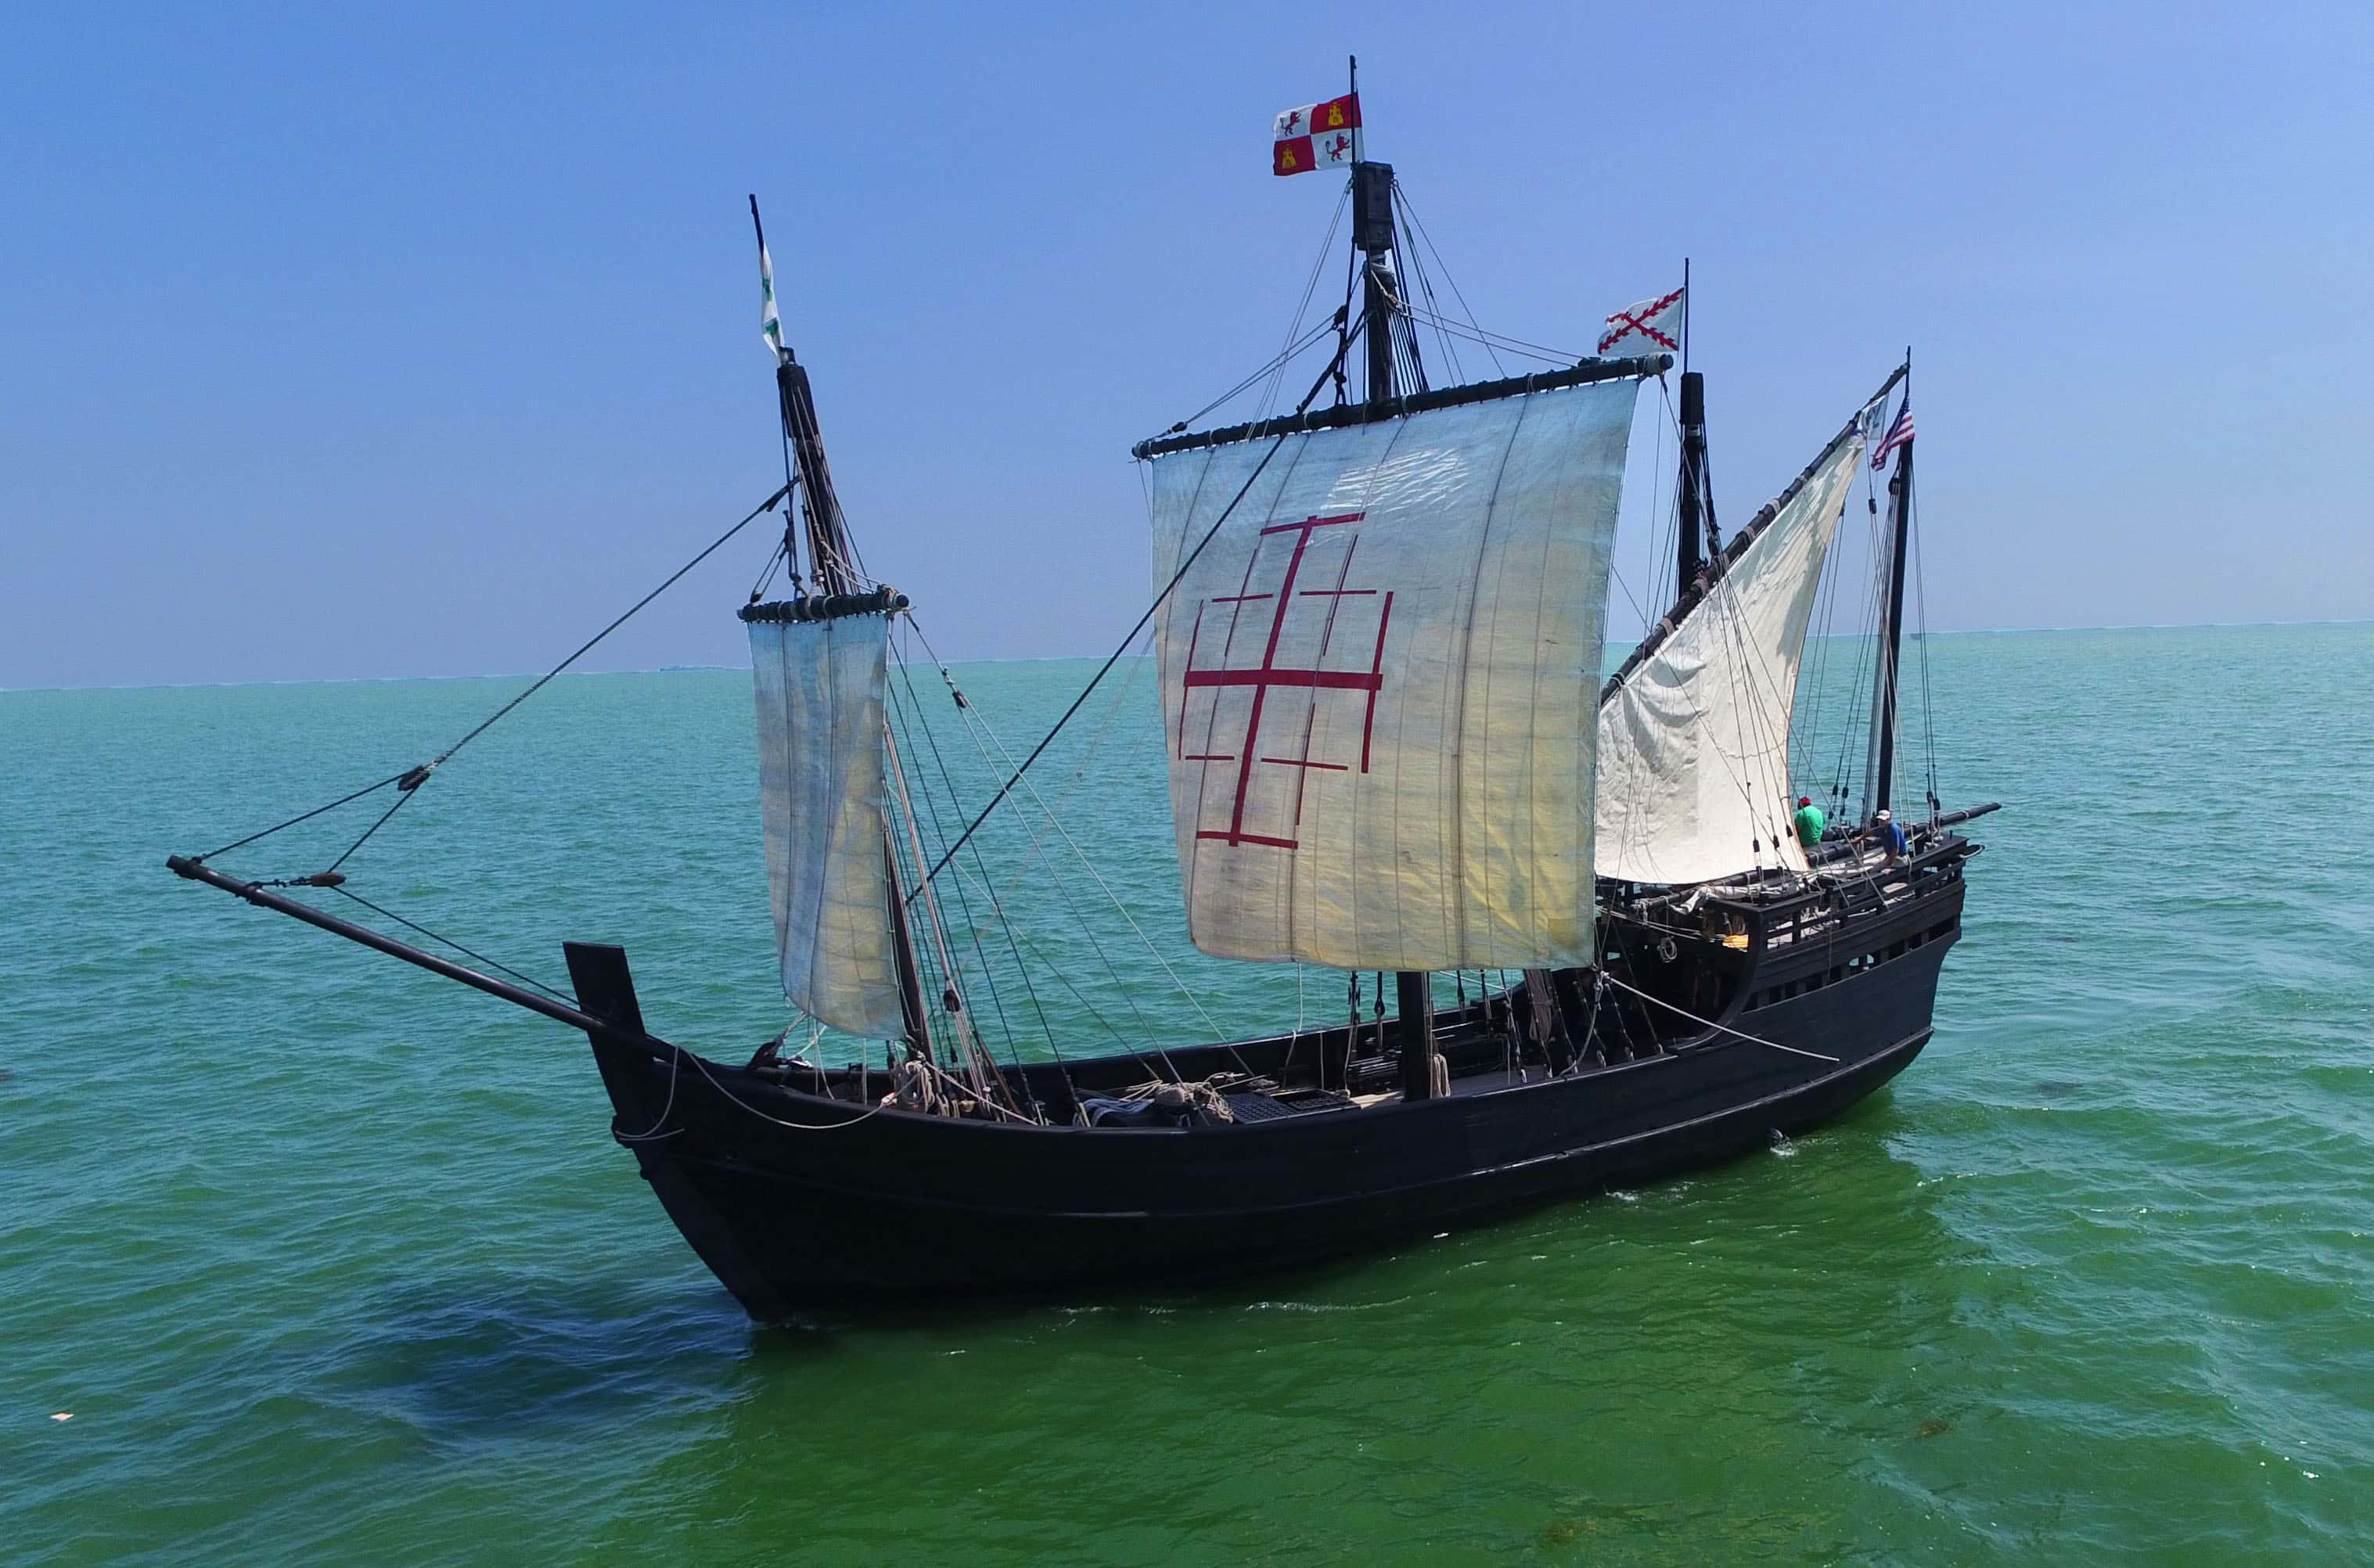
x: 351, y: 341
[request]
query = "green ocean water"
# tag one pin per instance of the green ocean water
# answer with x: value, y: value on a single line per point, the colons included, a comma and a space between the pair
x: 335, y: 1262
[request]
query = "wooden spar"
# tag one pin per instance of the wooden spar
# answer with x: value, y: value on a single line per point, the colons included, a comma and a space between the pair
x: 1372, y: 232
x: 1689, y: 517
x: 828, y: 553
x: 1586, y: 374
x: 902, y: 944
x: 197, y: 870
x: 1414, y: 991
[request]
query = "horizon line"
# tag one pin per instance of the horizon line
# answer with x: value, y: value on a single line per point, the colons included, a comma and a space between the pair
x: 1063, y: 658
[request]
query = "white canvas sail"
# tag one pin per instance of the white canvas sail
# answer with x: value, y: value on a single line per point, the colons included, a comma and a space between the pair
x: 819, y: 688
x: 1694, y: 746
x: 1379, y: 682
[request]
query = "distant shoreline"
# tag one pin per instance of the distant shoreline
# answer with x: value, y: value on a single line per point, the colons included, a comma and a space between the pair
x: 1090, y: 658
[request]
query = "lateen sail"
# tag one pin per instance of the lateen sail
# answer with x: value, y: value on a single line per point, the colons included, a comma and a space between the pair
x: 1379, y: 681
x: 820, y: 690
x: 1694, y: 743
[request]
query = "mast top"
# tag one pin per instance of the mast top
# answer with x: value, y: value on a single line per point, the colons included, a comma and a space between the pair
x: 1354, y: 73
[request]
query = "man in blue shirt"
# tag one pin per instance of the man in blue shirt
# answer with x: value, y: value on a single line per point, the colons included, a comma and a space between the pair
x: 1891, y: 837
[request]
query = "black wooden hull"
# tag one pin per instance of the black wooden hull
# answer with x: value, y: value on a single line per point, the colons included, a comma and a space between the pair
x: 794, y: 1198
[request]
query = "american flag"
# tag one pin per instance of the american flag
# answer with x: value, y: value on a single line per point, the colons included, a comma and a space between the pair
x: 1898, y: 434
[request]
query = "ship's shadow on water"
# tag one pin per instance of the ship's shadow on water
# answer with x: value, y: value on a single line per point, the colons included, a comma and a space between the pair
x: 1574, y: 1344
x: 463, y: 1360
x: 460, y: 1361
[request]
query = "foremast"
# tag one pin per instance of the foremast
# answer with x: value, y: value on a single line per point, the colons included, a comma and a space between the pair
x: 834, y: 585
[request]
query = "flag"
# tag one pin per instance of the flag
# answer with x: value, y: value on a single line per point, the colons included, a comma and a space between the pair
x: 1898, y: 434
x: 1652, y: 327
x: 1317, y: 136
x: 771, y: 324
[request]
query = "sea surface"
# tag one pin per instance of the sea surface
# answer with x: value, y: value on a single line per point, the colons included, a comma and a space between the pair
x: 332, y: 1261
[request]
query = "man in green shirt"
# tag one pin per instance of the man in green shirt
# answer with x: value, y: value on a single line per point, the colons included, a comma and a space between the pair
x: 1810, y: 822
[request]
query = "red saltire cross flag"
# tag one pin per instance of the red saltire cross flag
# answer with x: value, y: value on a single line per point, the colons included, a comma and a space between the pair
x: 1317, y: 136
x: 1898, y: 434
x: 1652, y: 327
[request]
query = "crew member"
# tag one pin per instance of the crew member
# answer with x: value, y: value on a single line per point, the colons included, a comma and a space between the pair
x: 1890, y: 836
x: 1810, y: 822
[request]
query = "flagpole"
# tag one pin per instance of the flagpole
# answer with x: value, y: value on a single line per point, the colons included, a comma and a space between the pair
x: 1686, y: 316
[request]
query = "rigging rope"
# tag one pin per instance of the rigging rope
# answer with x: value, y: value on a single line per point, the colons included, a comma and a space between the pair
x: 1277, y: 375
x: 979, y: 728
x: 1277, y: 366
x: 411, y: 779
x: 1402, y: 193
x: 997, y: 912
x: 911, y: 723
x: 415, y: 926
x: 1143, y: 621
x: 714, y: 546
x: 1793, y: 1049
x: 1495, y: 339
x: 1089, y: 867
x: 988, y: 975
x: 303, y: 817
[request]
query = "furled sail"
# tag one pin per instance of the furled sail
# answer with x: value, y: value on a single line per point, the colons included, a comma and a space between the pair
x: 1694, y: 735
x: 819, y: 687
x: 1378, y: 676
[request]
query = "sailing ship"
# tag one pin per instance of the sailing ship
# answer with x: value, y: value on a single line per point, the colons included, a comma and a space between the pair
x: 1377, y: 625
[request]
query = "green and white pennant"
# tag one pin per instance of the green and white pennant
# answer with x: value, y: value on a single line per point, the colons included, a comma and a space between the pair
x: 770, y: 324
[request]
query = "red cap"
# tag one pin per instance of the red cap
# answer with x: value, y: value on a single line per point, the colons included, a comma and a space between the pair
x: 1804, y: 801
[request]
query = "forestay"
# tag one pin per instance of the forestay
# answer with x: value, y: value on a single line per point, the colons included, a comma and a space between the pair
x: 1379, y: 682
x: 819, y: 688
x: 1694, y: 745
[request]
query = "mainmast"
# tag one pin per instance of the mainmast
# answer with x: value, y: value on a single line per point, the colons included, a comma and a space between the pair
x: 1696, y: 517
x: 1373, y: 235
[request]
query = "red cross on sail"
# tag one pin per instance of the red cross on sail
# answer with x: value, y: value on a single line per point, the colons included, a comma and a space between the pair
x: 1278, y: 734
